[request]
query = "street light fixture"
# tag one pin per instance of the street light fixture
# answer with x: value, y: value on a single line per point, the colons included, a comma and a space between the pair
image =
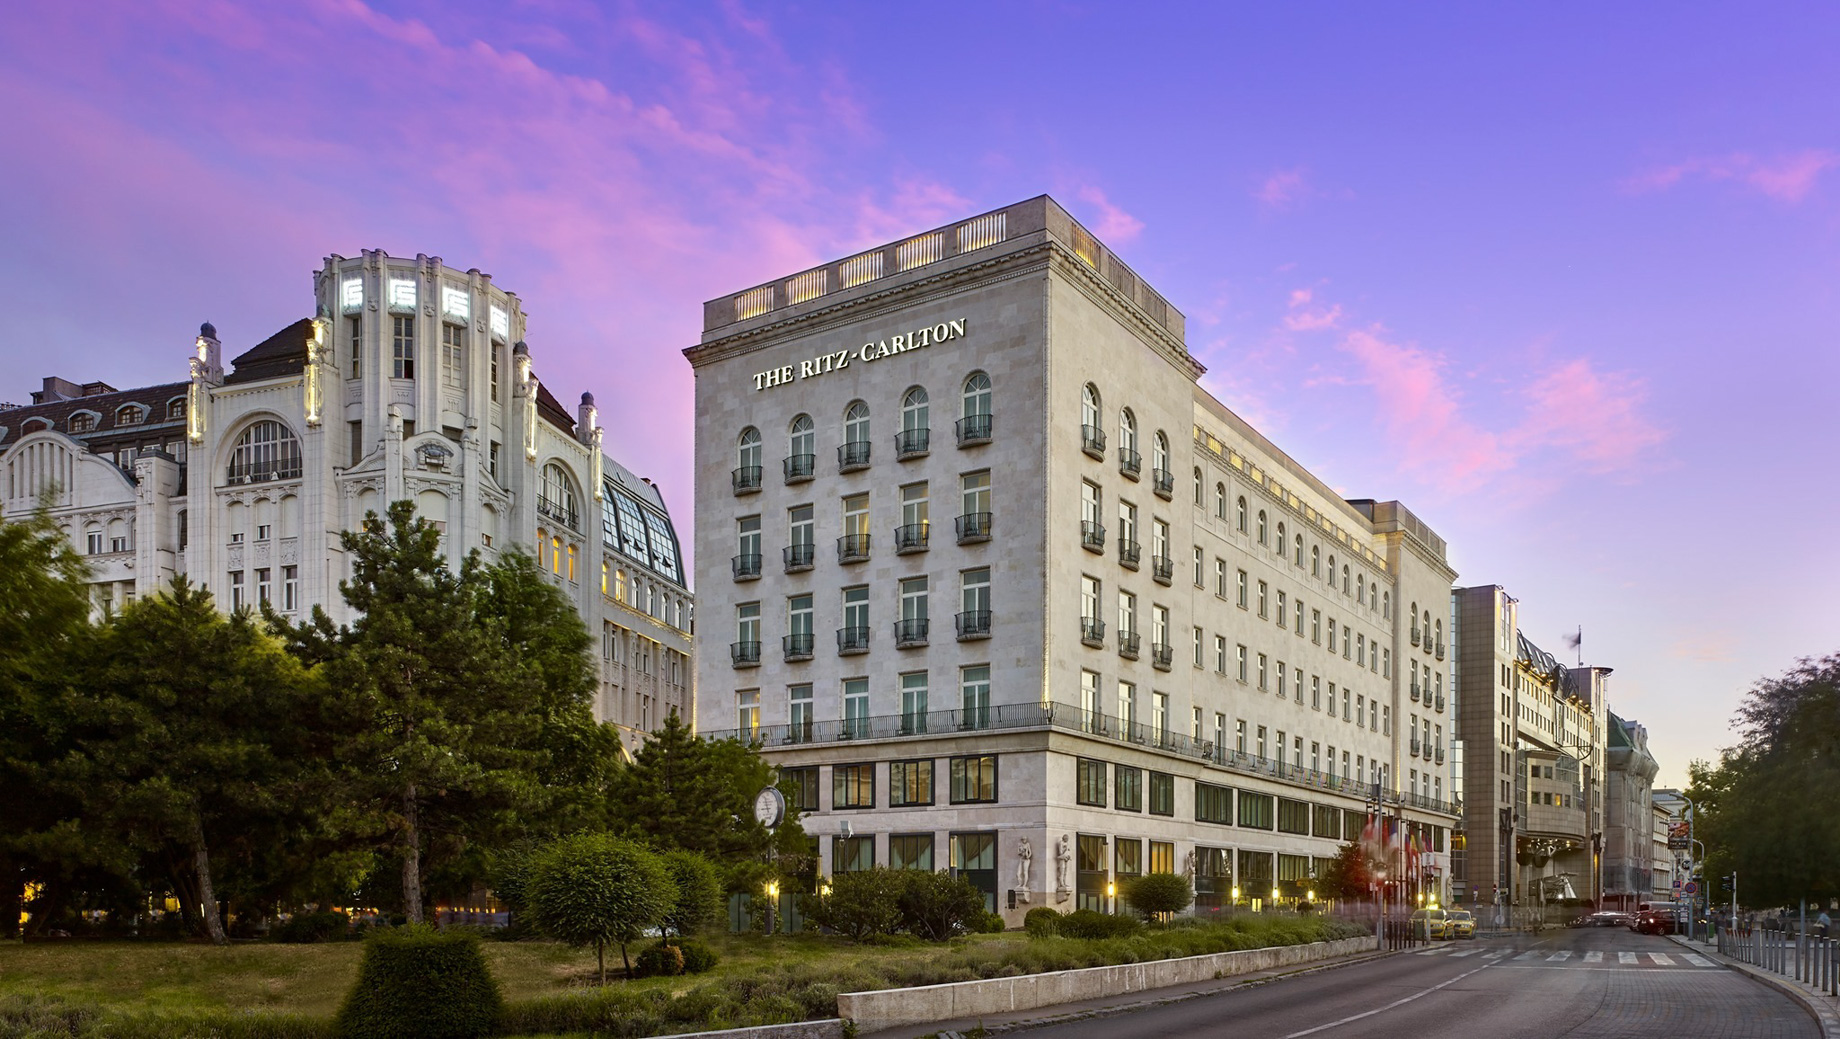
x: 772, y: 902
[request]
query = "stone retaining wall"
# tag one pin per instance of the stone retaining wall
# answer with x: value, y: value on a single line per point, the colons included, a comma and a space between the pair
x: 892, y: 1008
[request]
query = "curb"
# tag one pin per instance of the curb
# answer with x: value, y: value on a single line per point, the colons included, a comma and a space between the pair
x: 1825, y: 1017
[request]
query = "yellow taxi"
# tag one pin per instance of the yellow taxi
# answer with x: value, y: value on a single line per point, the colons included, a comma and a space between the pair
x: 1431, y: 923
x: 1460, y: 924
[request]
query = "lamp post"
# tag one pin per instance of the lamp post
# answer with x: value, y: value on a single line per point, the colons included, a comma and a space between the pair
x: 1111, y: 897
x: 772, y: 902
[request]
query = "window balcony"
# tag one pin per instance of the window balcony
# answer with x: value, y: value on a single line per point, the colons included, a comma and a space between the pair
x: 800, y: 557
x: 852, y: 548
x: 1162, y: 655
x: 1415, y: 635
x: 973, y: 527
x: 1440, y: 701
x: 744, y: 654
x: 851, y: 641
x: 853, y: 456
x: 1092, y: 441
x: 746, y: 479
x: 1415, y: 747
x: 746, y: 567
x: 262, y: 471
x: 1129, y: 552
x: 1092, y: 536
x: 973, y: 430
x: 1440, y: 649
x: 973, y: 624
x: 1414, y: 692
x: 800, y: 468
x: 561, y: 512
x: 910, y: 537
x: 1130, y: 463
x: 1162, y: 569
x: 910, y: 632
x: 912, y: 443
x: 797, y: 647
x: 1092, y: 632
x: 1440, y: 755
x: 1128, y: 642
x: 1163, y: 482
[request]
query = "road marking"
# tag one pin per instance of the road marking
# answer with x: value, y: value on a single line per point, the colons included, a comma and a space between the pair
x: 1560, y: 956
x: 1528, y: 956
x: 1661, y: 959
x: 1389, y: 1006
x: 1495, y: 955
x: 1594, y: 957
x: 1466, y: 952
x: 1625, y: 957
x: 1699, y: 961
x: 1433, y: 952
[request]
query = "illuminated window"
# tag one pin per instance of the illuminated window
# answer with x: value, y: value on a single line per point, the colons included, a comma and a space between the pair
x: 402, y: 294
x: 351, y: 294
x: 456, y: 303
x: 555, y: 556
x: 501, y: 323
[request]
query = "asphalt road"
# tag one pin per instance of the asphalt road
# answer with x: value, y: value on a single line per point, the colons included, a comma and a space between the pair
x: 1579, y: 984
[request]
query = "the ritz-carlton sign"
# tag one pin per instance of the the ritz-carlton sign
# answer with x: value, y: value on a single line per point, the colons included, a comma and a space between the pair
x: 900, y: 343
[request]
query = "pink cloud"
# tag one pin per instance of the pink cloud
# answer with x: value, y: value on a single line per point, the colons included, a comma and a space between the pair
x: 1301, y: 319
x: 1282, y: 189
x: 1590, y: 415
x: 1115, y: 225
x: 1786, y: 178
x: 1422, y: 413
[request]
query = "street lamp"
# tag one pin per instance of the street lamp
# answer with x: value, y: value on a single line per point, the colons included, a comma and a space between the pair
x: 772, y: 902
x: 1236, y: 896
x: 1111, y: 895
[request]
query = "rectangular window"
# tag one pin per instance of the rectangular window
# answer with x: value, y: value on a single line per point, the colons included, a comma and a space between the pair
x: 1316, y: 692
x: 974, y: 696
x: 856, y: 707
x: 1293, y: 816
x: 799, y: 711
x: 1264, y: 601
x: 913, y: 702
x: 1283, y: 614
x: 801, y: 787
x: 1220, y: 653
x: 1316, y: 626
x: 911, y: 851
x: 974, y: 598
x: 1162, y: 793
x: 402, y: 346
x: 915, y: 517
x: 236, y: 590
x: 974, y: 492
x: 1198, y: 647
x: 262, y: 585
x: 1127, y: 856
x: 1200, y: 579
x: 1213, y: 804
x: 1090, y: 788
x: 1242, y: 663
x: 852, y: 854
x: 1089, y: 599
x: 1162, y: 857
x: 852, y: 786
x: 801, y: 527
x: 910, y: 783
x: 974, y: 779
x: 1332, y: 635
x: 290, y: 589
x: 1127, y: 788
x: 1127, y: 705
x: 856, y: 515
x: 354, y: 338
x: 1090, y: 516
x: 747, y: 712
x: 493, y: 351
x: 95, y: 543
x: 453, y: 356
x: 1241, y: 593
x: 1220, y: 577
x: 1255, y: 810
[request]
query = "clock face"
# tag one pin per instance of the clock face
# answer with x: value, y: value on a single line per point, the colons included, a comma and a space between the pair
x: 769, y: 807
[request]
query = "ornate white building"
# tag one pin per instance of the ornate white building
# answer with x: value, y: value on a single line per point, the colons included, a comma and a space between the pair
x: 412, y: 382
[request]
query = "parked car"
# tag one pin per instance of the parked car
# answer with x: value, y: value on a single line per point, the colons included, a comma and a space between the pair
x: 1460, y: 924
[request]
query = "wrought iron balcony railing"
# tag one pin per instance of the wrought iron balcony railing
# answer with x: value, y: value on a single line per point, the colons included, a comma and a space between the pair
x: 974, y: 430
x: 746, y: 479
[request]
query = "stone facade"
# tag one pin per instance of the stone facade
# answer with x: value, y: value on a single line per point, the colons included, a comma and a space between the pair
x: 413, y: 382
x: 1001, y: 576
x: 1629, y: 815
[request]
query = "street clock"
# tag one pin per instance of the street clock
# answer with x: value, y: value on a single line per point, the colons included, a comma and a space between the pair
x: 770, y: 807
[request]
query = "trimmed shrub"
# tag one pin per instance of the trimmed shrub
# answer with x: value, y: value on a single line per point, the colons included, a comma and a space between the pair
x: 307, y: 928
x: 936, y: 906
x: 417, y: 983
x: 861, y: 903
x: 989, y: 923
x: 698, y: 958
x: 1041, y: 921
x: 1085, y: 923
x: 1155, y: 893
x: 659, y: 960
x: 595, y: 889
x: 699, y: 892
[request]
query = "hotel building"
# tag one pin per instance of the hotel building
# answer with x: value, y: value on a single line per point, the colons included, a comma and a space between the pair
x: 412, y: 382
x: 1534, y: 742
x: 1006, y: 591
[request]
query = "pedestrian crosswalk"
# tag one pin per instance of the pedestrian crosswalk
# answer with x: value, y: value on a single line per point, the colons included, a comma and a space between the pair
x: 1595, y: 958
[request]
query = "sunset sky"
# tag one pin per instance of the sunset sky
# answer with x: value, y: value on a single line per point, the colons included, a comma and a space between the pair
x: 1561, y: 279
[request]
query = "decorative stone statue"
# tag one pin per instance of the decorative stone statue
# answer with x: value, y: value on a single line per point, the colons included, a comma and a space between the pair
x: 1188, y: 865
x: 1063, y: 865
x: 1025, y: 859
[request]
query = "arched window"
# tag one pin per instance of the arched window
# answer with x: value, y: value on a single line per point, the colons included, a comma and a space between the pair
x: 34, y: 425
x: 1440, y: 630
x: 1220, y: 500
x: 977, y: 395
x: 1241, y: 521
x: 83, y: 422
x: 1263, y: 532
x: 747, y: 449
x: 1360, y: 589
x: 1386, y: 606
x: 619, y: 586
x: 1127, y: 430
x: 802, y: 442
x: 856, y: 423
x: 1198, y: 499
x: 556, y: 494
x: 916, y: 422
x: 1347, y: 588
x: 1315, y: 560
x: 1281, y: 541
x: 1331, y: 574
x: 1089, y: 406
x: 1159, y: 454
x: 267, y: 450
x: 1300, y: 551
x: 129, y: 415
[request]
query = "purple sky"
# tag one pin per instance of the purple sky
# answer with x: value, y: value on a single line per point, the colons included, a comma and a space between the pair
x: 1563, y: 280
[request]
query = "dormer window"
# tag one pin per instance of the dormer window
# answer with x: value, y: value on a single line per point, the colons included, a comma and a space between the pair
x: 129, y: 415
x: 83, y: 422
x: 175, y: 408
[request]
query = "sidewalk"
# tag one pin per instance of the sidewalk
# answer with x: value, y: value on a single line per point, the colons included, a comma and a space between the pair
x: 1124, y: 1004
x: 1818, y: 1004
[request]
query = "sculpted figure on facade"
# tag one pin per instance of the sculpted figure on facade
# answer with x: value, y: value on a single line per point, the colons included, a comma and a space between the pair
x: 1025, y: 858
x: 1063, y: 864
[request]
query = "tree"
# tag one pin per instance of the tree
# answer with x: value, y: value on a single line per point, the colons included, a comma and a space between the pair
x: 1769, y: 809
x: 1154, y: 894
x: 698, y: 795
x: 860, y: 903
x: 595, y: 889
x: 1348, y: 875
x: 436, y: 732
x: 936, y: 906
x: 698, y: 892
x: 176, y: 738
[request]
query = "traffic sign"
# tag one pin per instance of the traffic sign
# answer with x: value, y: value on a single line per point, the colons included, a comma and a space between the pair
x: 1689, y: 888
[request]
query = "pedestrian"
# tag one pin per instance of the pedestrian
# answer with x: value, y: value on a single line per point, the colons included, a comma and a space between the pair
x: 1823, y: 922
